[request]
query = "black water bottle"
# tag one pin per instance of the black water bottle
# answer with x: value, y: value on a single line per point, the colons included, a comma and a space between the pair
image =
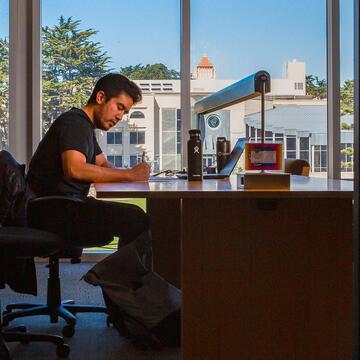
x: 222, y: 152
x: 194, y: 156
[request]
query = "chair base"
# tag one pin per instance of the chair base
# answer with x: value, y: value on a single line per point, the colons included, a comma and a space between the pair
x: 19, y: 334
x: 54, y: 307
x: 66, y: 311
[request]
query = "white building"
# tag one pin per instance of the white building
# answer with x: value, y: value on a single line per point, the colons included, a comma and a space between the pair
x: 154, y: 125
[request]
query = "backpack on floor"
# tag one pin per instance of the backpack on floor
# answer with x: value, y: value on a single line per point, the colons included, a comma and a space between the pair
x: 142, y: 306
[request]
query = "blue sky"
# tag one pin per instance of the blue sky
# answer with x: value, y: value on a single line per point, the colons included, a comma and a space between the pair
x: 239, y: 36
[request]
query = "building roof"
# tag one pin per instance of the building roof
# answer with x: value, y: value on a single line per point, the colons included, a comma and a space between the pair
x: 205, y: 62
x: 311, y: 118
x: 292, y: 119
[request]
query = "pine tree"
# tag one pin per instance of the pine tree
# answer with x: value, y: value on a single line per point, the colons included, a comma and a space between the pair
x: 72, y: 63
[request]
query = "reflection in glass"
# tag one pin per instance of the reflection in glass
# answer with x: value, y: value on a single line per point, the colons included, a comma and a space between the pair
x: 4, y: 74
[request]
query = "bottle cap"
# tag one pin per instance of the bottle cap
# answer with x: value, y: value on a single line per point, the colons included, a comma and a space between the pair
x: 194, y: 132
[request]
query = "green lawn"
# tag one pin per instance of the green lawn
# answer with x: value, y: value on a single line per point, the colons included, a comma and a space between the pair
x: 113, y: 245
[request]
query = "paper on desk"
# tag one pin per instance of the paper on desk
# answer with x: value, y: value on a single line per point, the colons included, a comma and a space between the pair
x: 162, y: 178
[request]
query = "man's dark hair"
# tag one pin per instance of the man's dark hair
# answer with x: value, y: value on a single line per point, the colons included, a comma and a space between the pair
x: 112, y: 85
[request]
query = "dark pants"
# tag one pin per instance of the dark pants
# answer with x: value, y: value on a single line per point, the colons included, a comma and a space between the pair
x: 96, y: 222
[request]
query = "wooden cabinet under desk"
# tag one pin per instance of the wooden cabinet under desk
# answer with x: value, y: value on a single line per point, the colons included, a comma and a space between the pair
x: 264, y: 274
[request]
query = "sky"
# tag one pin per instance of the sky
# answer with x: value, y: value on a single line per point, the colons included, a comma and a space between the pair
x: 239, y: 36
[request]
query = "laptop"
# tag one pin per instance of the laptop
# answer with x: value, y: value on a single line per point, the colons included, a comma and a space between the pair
x: 230, y: 165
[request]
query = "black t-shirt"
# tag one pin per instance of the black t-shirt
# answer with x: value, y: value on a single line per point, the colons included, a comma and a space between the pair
x: 73, y: 130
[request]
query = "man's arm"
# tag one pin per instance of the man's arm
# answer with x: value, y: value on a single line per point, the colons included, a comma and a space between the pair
x: 75, y: 167
x: 103, y: 162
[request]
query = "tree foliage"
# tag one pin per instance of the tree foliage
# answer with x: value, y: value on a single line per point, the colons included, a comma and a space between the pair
x: 148, y: 72
x: 316, y: 87
x: 4, y: 93
x: 347, y: 97
x: 72, y: 62
x: 345, y: 126
x: 349, y: 151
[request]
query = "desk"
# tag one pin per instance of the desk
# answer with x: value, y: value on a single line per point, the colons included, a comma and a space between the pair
x: 264, y: 274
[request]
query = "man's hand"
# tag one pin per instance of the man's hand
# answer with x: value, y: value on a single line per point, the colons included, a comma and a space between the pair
x: 140, y: 172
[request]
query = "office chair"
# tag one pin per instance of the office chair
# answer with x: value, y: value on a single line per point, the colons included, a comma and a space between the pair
x: 297, y: 167
x: 25, y: 243
x: 54, y: 307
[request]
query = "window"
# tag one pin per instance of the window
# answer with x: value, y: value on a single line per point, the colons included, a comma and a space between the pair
x: 137, y: 137
x: 304, y: 144
x: 137, y: 115
x: 290, y: 147
x: 319, y: 161
x: 114, y: 138
x: 116, y: 160
x: 4, y: 74
x: 134, y: 159
x: 171, y: 138
x: 78, y: 47
x: 291, y: 67
x: 347, y: 89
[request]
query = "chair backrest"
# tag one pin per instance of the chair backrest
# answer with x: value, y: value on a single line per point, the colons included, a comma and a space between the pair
x: 297, y: 167
x: 13, y: 191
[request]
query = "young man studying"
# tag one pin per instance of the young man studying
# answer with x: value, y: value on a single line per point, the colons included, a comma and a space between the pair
x: 69, y: 159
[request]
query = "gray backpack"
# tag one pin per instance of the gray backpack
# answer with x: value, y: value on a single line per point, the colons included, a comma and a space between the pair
x: 141, y: 304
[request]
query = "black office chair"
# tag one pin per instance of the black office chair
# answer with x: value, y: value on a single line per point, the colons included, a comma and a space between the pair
x: 297, y: 167
x: 54, y: 307
x: 25, y: 243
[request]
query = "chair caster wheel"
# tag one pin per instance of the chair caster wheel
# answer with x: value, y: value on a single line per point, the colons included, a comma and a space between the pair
x: 68, y: 330
x: 63, y: 351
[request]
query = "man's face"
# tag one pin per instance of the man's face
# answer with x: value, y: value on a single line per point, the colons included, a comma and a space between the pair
x: 108, y: 113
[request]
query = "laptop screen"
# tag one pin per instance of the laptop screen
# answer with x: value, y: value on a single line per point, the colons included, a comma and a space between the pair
x: 234, y: 156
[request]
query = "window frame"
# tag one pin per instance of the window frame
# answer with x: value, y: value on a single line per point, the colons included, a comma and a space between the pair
x: 25, y: 64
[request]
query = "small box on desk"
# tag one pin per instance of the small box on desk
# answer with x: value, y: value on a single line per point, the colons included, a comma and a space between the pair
x: 263, y: 180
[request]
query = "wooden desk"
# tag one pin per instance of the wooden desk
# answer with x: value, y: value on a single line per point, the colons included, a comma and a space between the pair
x: 264, y: 274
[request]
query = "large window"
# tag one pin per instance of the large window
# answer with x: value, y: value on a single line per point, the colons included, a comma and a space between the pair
x: 4, y: 74
x: 114, y: 138
x: 286, y: 38
x: 137, y: 137
x: 347, y: 88
x: 79, y: 47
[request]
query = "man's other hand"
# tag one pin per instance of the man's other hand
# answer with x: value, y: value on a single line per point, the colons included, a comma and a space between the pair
x: 140, y: 172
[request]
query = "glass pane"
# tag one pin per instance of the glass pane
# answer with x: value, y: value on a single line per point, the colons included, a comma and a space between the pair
x: 291, y: 143
x: 4, y: 74
x: 79, y: 47
x: 133, y: 138
x: 133, y: 160
x: 110, y: 137
x: 118, y: 161
x: 263, y: 35
x: 141, y: 138
x: 347, y: 88
x: 118, y: 138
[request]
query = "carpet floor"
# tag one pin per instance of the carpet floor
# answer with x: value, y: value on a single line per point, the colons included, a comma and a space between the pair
x: 93, y: 340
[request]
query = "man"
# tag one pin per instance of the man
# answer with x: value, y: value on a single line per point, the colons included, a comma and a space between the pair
x: 69, y: 159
